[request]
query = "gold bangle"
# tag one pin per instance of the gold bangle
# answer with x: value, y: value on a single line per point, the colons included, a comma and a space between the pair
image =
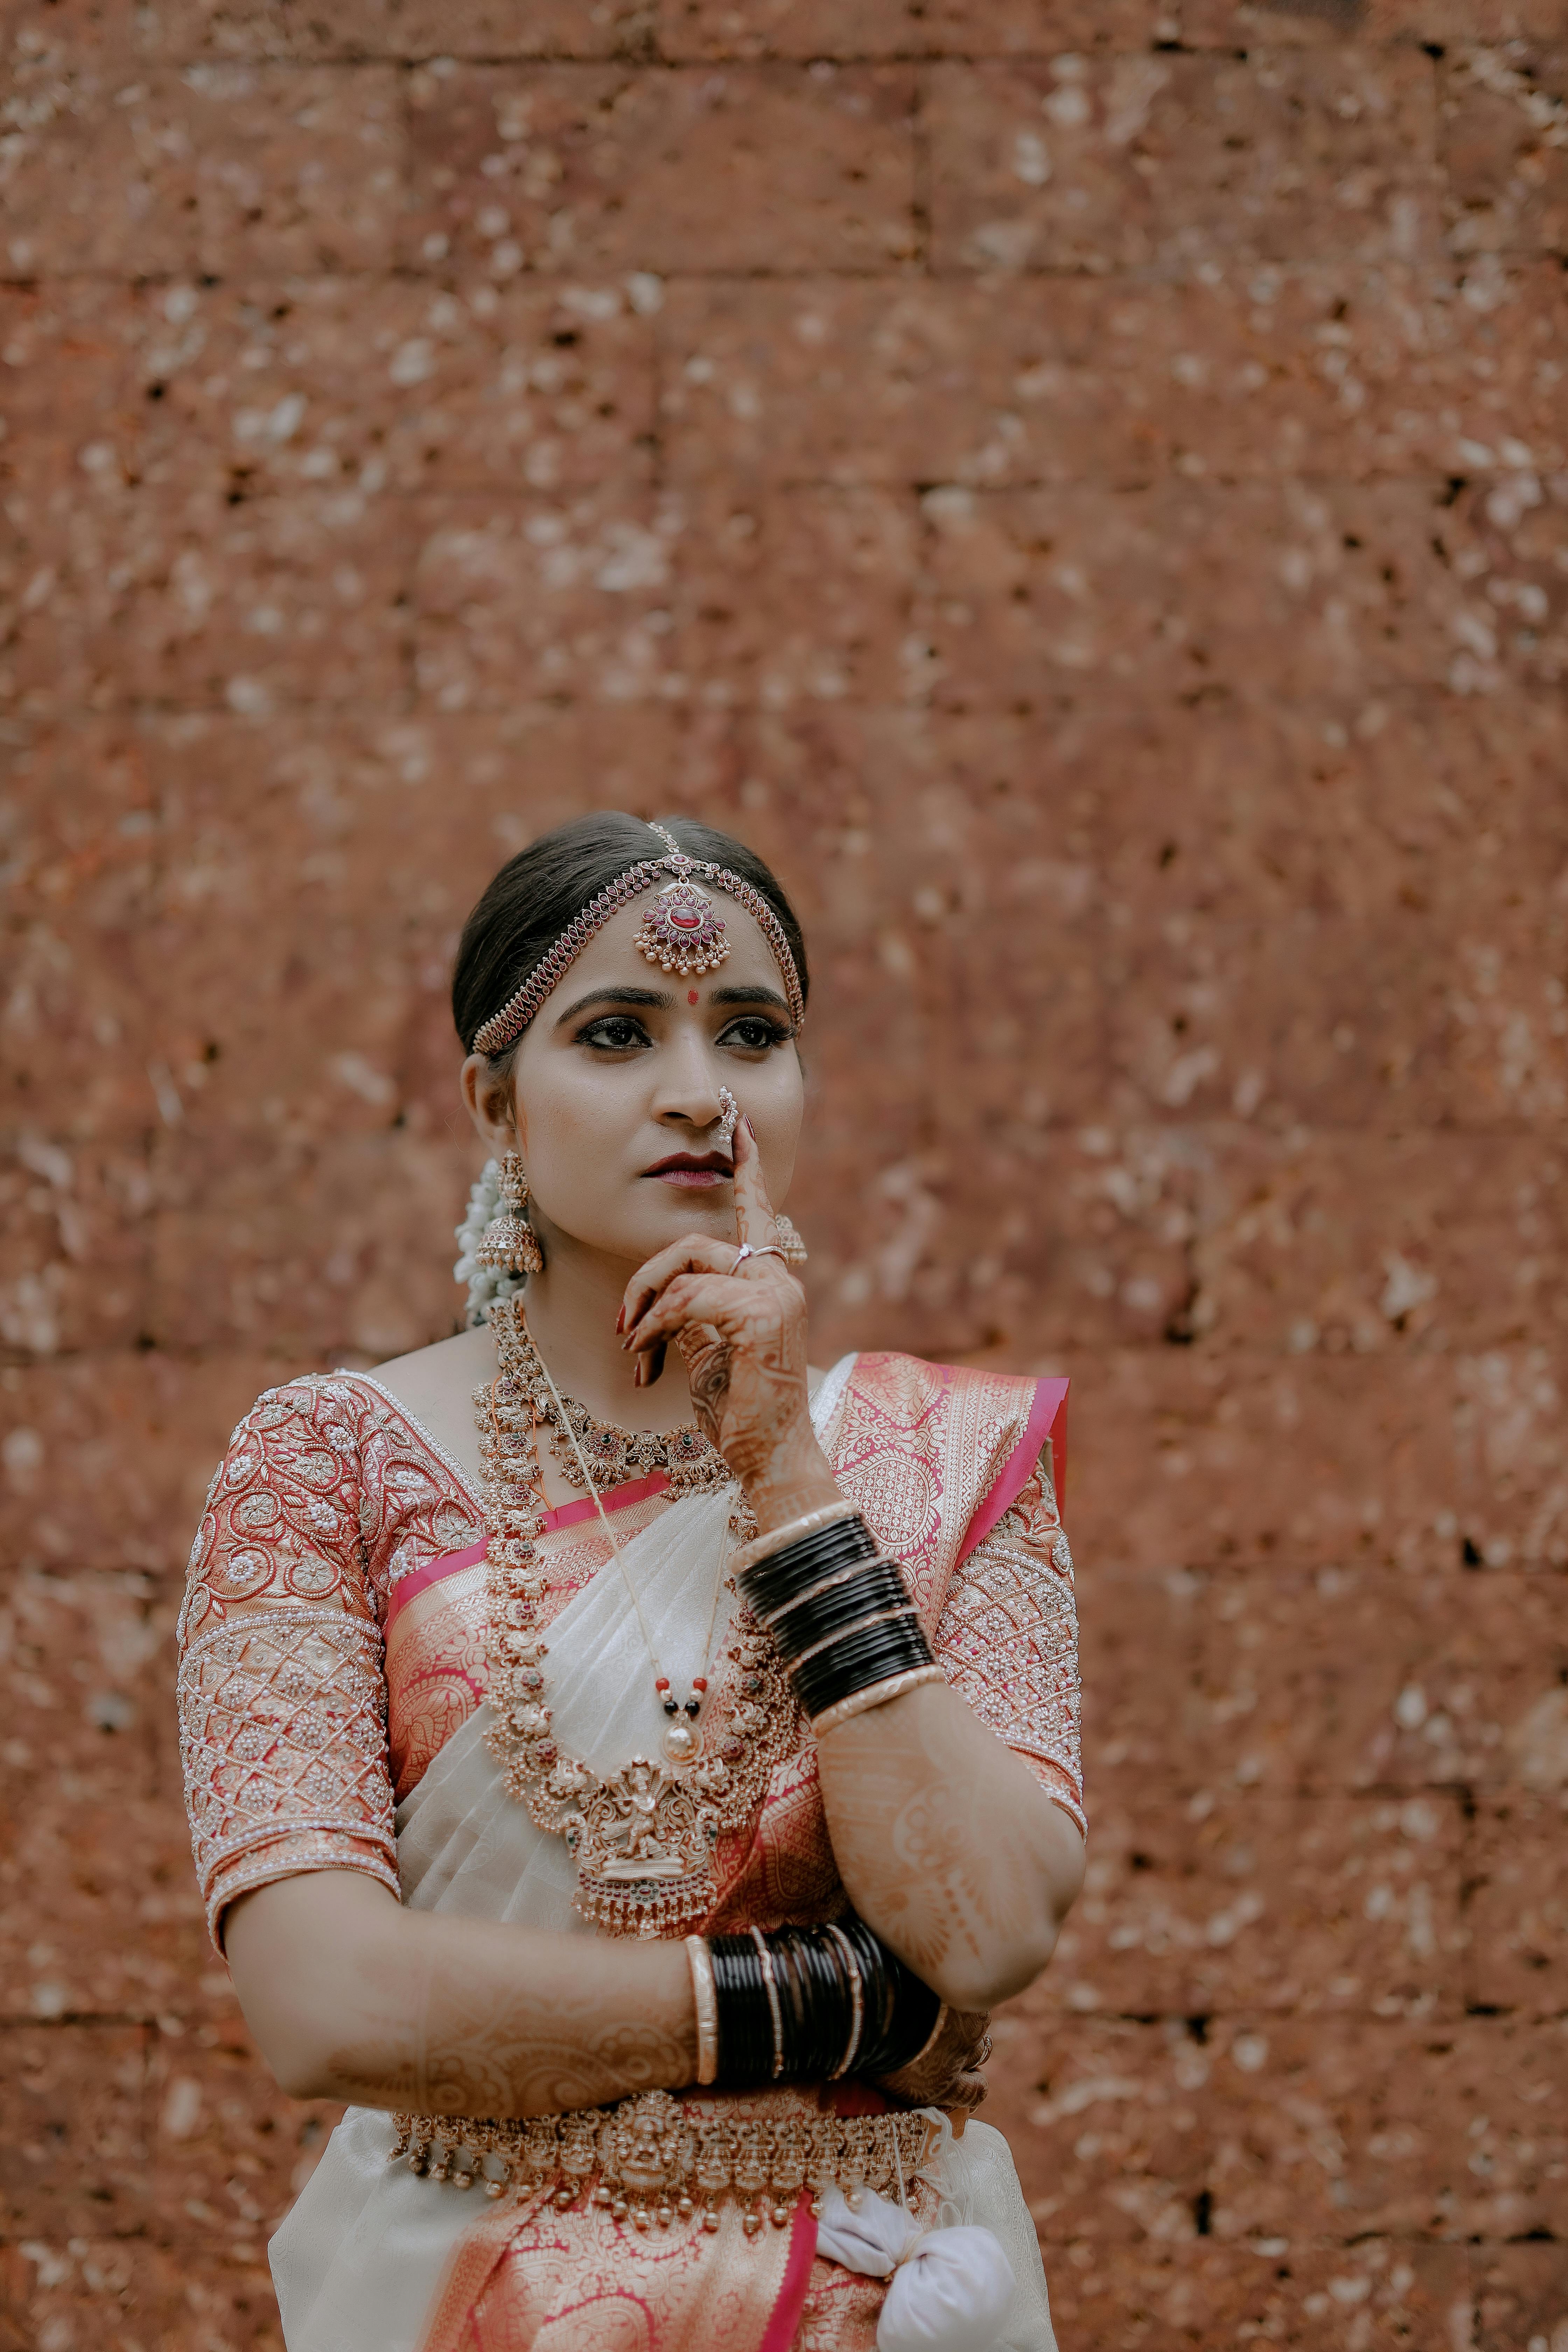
x: 777, y: 2013
x: 857, y: 2002
x: 941, y: 2017
x: 861, y: 1701
x: 705, y: 1999
x: 776, y: 1537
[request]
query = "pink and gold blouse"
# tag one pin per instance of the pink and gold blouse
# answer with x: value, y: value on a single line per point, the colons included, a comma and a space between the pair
x: 333, y: 1635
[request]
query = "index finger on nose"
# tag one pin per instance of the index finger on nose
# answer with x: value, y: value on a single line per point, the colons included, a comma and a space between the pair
x: 753, y: 1210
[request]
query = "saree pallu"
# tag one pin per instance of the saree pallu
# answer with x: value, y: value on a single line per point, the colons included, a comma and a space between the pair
x: 375, y: 2256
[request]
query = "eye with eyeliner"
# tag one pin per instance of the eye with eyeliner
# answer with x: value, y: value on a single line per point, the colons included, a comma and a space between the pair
x: 763, y: 1034
x: 614, y: 1032
x: 622, y: 1033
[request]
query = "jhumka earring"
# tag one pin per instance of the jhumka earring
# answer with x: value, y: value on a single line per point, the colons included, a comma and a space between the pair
x: 508, y: 1244
x: 790, y: 1243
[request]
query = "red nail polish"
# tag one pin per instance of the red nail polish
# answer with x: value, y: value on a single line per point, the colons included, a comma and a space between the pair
x: 620, y: 1319
x: 750, y: 1130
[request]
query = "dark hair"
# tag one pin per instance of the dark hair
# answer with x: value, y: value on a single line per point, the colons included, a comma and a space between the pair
x: 530, y: 902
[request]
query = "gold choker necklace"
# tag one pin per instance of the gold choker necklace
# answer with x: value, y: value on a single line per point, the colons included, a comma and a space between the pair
x: 643, y: 1836
x: 593, y: 1453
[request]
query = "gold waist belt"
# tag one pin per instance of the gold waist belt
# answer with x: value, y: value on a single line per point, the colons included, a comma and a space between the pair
x: 652, y: 2158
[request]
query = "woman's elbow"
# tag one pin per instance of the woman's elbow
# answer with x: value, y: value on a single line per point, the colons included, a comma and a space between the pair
x: 299, y: 1950
x: 982, y: 1979
x: 1007, y: 1962
x: 301, y: 2073
x: 300, y: 2047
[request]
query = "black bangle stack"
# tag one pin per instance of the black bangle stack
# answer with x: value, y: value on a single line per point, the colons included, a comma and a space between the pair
x: 809, y: 2004
x: 841, y: 1616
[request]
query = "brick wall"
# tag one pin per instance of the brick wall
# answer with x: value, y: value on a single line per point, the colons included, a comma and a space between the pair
x: 1084, y: 487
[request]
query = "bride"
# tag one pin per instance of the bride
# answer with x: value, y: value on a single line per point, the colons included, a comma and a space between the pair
x: 624, y: 1761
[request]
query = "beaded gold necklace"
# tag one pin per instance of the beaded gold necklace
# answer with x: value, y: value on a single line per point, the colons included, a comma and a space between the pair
x: 642, y: 1836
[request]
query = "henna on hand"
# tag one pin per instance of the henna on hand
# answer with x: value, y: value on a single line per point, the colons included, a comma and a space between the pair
x: 351, y: 1997
x: 947, y: 1845
x: 946, y: 2073
x: 743, y: 1331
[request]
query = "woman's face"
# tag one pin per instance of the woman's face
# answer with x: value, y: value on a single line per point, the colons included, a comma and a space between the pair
x: 616, y: 1091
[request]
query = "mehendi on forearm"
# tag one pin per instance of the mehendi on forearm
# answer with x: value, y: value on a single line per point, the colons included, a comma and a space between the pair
x: 947, y: 1845
x: 356, y: 1999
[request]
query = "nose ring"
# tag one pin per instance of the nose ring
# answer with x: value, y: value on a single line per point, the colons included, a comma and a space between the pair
x: 730, y: 1112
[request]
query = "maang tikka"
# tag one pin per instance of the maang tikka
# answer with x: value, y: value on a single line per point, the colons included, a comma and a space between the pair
x: 682, y: 931
x: 508, y: 1244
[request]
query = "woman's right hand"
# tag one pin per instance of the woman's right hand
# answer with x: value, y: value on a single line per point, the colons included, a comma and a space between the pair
x: 741, y: 1323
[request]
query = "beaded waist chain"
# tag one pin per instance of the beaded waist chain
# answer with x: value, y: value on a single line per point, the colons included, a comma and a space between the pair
x: 652, y: 2158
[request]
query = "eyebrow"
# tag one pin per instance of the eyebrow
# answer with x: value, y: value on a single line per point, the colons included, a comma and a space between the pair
x: 748, y: 996
x: 659, y: 998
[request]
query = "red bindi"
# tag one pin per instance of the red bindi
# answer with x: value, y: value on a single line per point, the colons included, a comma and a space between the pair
x: 692, y: 996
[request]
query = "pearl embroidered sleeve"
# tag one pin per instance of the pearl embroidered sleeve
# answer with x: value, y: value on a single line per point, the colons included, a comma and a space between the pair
x: 1008, y: 1642
x: 281, y: 1694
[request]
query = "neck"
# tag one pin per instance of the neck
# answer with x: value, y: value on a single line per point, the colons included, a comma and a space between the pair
x: 571, y: 1309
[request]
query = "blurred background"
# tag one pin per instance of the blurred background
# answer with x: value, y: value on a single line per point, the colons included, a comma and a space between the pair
x: 1081, y: 486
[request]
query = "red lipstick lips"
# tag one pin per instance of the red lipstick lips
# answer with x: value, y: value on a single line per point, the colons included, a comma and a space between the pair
x: 695, y: 1169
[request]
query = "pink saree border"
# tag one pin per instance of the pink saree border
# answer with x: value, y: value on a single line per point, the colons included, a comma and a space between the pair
x: 566, y: 1515
x: 1047, y: 1418
x: 783, y: 2326
x: 615, y: 1498
x: 420, y: 1580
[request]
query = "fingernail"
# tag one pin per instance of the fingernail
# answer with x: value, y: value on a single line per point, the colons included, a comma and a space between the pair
x: 750, y: 1130
x: 620, y: 1319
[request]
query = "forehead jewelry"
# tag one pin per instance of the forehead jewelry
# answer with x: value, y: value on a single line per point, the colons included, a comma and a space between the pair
x: 681, y: 933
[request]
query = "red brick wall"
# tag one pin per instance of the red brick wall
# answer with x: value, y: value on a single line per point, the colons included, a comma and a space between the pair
x: 1082, y: 485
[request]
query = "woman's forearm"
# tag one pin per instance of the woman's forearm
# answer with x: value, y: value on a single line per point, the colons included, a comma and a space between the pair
x: 948, y: 1846
x: 351, y: 1997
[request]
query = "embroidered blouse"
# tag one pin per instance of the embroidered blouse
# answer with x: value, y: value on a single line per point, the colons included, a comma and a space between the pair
x: 333, y: 1634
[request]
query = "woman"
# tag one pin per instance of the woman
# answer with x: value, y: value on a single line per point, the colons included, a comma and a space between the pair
x: 629, y: 1778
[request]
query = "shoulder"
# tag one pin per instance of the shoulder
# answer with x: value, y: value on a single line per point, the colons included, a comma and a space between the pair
x: 315, y: 1399
x: 309, y: 1428
x: 910, y: 1384
x: 986, y: 1429
x: 436, y: 1383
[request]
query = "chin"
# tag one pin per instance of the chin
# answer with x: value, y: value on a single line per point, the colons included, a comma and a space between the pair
x: 681, y: 1208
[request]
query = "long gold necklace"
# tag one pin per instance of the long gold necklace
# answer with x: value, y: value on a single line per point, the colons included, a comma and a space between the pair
x: 644, y: 1836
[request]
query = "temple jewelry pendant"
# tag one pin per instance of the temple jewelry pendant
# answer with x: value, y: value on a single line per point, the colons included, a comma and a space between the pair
x: 642, y: 1840
x: 643, y: 1836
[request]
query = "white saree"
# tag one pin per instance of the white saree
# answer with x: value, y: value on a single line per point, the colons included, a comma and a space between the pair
x: 359, y: 2260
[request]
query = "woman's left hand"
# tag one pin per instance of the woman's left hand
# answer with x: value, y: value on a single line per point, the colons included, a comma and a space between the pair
x: 947, y: 2072
x: 742, y: 1328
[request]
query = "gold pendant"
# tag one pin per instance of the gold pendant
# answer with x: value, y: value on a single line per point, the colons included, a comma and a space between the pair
x: 642, y: 1840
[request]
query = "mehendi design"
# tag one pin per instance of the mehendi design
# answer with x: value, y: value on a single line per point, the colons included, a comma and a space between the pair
x: 489, y: 2039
